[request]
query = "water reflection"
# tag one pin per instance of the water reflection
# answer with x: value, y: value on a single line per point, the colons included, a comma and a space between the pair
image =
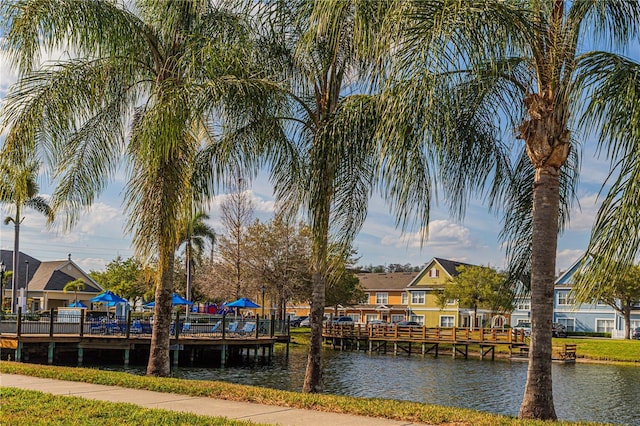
x: 602, y: 393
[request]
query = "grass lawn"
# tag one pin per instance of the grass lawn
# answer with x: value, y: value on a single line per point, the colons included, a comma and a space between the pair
x: 605, y: 349
x: 26, y: 407
x: 399, y: 410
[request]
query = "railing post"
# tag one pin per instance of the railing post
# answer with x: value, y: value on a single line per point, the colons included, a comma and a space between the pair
x: 81, y: 327
x: 224, y: 328
x: 272, y: 327
x: 51, y: 322
x: 127, y: 331
x: 177, y: 330
x: 19, y: 321
x: 257, y: 326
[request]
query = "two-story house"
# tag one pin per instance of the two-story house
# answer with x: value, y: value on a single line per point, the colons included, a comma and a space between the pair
x: 385, y: 297
x: 425, y: 308
x: 587, y: 317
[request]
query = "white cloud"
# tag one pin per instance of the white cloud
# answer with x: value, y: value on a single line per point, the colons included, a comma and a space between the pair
x: 582, y: 217
x: 89, y: 264
x: 566, y: 258
x: 442, y: 233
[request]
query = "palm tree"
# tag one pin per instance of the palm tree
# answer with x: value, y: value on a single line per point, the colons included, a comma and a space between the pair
x: 194, y: 234
x: 19, y: 188
x: 167, y: 71
x: 329, y: 166
x: 75, y: 286
x: 518, y: 68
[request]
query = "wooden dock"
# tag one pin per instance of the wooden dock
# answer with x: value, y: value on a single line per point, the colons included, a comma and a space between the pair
x: 422, y: 340
x: 217, y: 341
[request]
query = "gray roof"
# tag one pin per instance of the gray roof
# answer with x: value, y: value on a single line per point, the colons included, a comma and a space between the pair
x: 49, y: 275
x: 6, y: 257
x: 375, y: 281
x: 451, y: 265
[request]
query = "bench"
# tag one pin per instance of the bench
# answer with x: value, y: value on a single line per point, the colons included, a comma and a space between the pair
x: 568, y: 352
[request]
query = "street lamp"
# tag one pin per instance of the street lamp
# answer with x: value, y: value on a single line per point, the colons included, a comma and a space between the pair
x: 3, y: 268
x: 26, y: 286
x: 262, y: 289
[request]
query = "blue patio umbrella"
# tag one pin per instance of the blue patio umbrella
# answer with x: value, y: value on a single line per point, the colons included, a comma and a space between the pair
x: 108, y: 297
x: 176, y: 299
x: 77, y: 305
x: 243, y: 302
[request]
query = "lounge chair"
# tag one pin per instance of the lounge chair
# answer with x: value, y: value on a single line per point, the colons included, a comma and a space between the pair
x: 186, y: 328
x: 248, y: 328
x: 233, y: 327
x: 216, y: 327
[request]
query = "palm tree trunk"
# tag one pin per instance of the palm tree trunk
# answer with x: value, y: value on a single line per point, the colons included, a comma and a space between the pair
x: 538, y: 397
x: 627, y: 321
x: 313, y: 381
x: 159, y: 364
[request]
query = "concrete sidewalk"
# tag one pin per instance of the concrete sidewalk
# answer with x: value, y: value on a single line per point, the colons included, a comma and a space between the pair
x: 259, y: 413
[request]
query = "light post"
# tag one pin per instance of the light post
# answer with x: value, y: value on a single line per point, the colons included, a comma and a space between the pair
x: 262, y: 289
x: 26, y: 287
x: 3, y: 268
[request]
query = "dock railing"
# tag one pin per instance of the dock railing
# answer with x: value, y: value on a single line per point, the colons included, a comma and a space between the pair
x: 100, y: 323
x: 407, y: 333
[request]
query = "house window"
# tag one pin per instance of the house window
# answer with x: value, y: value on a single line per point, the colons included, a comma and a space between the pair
x: 404, y: 298
x: 569, y: 323
x: 417, y: 318
x: 371, y: 317
x: 447, y: 321
x: 604, y: 325
x: 366, y: 298
x: 382, y: 298
x: 451, y: 301
x: 417, y: 297
x: 564, y: 298
x: 524, y: 305
x: 355, y: 317
x: 434, y: 272
x: 397, y: 318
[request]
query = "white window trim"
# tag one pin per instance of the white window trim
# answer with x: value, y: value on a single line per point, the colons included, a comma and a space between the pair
x: 414, y: 294
x: 417, y: 318
x: 564, y: 321
x: 384, y: 296
x: 453, y: 320
x: 611, y: 320
x: 404, y: 298
x: 397, y: 317
x: 569, y: 300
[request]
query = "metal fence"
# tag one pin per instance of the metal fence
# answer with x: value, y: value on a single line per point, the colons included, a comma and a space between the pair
x: 94, y: 323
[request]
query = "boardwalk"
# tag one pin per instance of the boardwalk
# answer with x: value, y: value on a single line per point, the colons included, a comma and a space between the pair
x: 423, y: 340
x: 218, y: 338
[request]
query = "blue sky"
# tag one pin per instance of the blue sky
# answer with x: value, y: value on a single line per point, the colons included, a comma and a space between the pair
x: 98, y: 237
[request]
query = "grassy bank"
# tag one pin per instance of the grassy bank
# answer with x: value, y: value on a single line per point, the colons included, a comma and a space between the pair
x: 399, y: 410
x: 31, y: 408
x: 627, y: 351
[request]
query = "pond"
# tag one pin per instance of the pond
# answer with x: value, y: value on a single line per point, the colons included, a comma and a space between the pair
x: 590, y: 392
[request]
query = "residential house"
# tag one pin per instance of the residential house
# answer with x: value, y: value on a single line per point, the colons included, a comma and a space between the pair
x: 586, y: 317
x: 44, y: 282
x: 385, y: 297
x: 424, y: 307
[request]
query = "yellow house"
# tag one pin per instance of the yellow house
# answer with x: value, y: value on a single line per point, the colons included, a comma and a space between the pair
x: 423, y: 302
x: 385, y: 297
